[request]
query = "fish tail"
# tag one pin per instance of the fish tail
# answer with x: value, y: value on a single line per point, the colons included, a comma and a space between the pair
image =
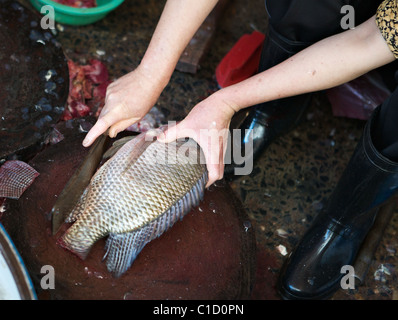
x: 122, y: 249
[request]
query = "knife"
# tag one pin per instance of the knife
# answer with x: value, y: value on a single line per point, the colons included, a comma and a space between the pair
x: 73, y: 190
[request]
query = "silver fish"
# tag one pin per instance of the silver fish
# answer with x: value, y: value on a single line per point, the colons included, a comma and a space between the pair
x: 136, y: 196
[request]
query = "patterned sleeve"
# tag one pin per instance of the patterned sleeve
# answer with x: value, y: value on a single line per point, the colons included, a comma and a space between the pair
x: 386, y: 20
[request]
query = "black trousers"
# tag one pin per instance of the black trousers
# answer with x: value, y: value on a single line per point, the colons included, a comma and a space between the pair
x: 307, y: 21
x: 312, y: 20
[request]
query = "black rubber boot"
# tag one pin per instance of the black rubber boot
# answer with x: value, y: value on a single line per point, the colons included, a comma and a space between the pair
x: 313, y: 269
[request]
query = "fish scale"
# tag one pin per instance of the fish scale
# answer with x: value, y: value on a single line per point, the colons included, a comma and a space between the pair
x: 136, y: 196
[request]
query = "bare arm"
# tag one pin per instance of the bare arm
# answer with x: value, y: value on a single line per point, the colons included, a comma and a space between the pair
x: 129, y: 98
x: 328, y: 63
x: 178, y: 23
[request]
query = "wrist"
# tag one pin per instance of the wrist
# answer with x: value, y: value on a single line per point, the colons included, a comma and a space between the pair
x: 229, y: 106
x: 155, y: 74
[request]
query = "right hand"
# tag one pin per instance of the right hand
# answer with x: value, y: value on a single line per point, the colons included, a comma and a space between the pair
x: 208, y: 124
x: 127, y: 101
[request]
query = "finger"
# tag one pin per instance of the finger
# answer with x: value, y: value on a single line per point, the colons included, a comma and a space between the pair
x: 99, y: 128
x: 120, y: 126
x: 177, y: 131
x: 215, y: 171
x: 213, y: 167
x: 168, y: 135
x: 223, y: 149
x: 212, y: 173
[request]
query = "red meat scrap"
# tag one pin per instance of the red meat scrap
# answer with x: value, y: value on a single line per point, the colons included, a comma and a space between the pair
x: 87, y: 89
x: 87, y: 92
x: 96, y: 71
x: 78, y: 3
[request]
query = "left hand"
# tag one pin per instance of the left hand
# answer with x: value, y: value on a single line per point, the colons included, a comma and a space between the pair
x: 208, y: 124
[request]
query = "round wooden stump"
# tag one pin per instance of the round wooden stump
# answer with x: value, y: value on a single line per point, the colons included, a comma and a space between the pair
x: 210, y: 254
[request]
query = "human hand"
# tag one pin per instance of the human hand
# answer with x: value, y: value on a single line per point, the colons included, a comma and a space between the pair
x: 208, y: 124
x: 127, y: 101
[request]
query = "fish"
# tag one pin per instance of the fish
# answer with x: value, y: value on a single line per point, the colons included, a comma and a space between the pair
x: 140, y: 192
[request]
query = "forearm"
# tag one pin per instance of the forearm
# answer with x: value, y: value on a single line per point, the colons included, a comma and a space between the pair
x: 328, y: 63
x: 178, y: 23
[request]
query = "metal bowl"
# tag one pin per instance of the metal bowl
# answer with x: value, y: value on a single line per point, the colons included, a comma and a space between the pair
x: 15, y: 283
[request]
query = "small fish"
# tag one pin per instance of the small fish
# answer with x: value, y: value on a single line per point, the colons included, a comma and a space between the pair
x: 135, y: 196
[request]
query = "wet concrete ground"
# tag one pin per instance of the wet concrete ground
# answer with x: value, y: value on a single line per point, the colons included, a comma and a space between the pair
x: 296, y: 174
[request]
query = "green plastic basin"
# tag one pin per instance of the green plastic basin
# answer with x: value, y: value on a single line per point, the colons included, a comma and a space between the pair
x: 78, y: 16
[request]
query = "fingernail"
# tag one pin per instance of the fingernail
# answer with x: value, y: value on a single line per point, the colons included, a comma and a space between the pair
x: 160, y: 137
x: 86, y: 142
x: 112, y: 133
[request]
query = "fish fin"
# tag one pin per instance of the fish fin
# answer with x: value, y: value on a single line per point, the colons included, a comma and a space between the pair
x: 122, y: 249
x: 116, y: 146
